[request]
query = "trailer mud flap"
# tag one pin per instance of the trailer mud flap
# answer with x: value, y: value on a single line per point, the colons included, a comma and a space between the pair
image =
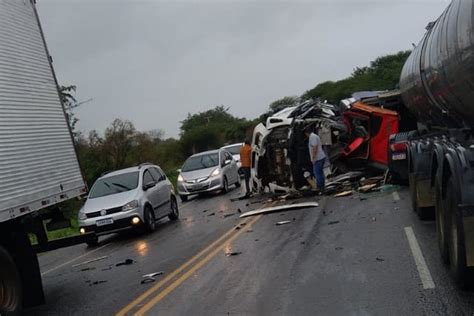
x: 468, y: 223
x: 425, y: 194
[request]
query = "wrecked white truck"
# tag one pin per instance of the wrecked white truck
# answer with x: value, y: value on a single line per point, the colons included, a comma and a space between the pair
x: 280, y: 156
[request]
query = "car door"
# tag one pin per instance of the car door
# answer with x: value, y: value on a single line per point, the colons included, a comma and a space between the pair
x: 229, y: 169
x: 151, y: 194
x: 235, y: 167
x: 163, y: 191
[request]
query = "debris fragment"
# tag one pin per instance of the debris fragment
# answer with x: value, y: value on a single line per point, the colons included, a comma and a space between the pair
x: 333, y: 222
x: 374, y: 219
x: 237, y: 227
x: 243, y: 224
x: 87, y: 269
x: 229, y: 215
x: 106, y: 269
x: 89, y: 261
x: 379, y: 259
x: 126, y: 262
x: 239, y: 210
x: 148, y: 278
x: 97, y: 282
x: 280, y: 208
x: 283, y: 223
x: 302, y: 242
x: 367, y: 187
x: 204, y: 211
x: 249, y: 230
x: 344, y: 193
x: 211, y: 214
x: 233, y: 253
x: 338, y: 248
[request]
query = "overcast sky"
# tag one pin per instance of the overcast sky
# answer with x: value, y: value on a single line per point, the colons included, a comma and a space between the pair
x: 152, y: 62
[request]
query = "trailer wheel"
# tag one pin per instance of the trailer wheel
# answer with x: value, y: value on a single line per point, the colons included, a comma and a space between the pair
x: 424, y: 213
x: 457, y: 249
x: 441, y: 226
x: 10, y: 286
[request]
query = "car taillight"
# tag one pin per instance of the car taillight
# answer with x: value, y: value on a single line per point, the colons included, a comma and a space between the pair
x: 398, y: 147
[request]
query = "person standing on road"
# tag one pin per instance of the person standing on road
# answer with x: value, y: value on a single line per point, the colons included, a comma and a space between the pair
x: 246, y: 162
x: 317, y: 156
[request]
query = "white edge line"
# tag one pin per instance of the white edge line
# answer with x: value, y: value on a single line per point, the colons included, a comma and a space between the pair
x: 420, y: 262
x: 72, y: 260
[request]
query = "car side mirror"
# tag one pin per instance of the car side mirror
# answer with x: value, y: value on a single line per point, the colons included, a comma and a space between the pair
x: 179, y: 170
x: 148, y: 185
x: 227, y: 162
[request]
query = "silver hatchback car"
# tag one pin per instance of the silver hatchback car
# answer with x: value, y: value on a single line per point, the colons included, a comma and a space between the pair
x: 207, y: 171
x: 129, y: 198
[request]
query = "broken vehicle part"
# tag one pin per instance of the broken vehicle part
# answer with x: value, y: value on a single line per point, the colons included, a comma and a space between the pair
x: 342, y: 194
x: 126, y: 262
x: 283, y: 223
x: 280, y: 208
x: 233, y: 253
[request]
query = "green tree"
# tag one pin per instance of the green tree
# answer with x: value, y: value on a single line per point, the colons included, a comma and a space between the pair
x: 382, y: 74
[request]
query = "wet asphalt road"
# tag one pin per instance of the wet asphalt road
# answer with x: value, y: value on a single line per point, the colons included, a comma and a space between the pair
x: 345, y: 257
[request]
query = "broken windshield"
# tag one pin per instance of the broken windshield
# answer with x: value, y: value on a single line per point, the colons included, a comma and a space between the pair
x: 201, y: 162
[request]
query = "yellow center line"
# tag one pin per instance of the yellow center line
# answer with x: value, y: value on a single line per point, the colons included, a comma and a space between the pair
x: 153, y: 289
x: 190, y: 272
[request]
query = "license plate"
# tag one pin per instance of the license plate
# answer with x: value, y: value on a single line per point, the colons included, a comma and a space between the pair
x: 400, y: 156
x: 105, y: 221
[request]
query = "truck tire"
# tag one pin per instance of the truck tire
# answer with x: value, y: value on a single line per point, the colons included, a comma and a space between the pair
x: 225, y: 186
x: 441, y: 222
x: 174, y: 215
x: 463, y: 275
x: 10, y: 286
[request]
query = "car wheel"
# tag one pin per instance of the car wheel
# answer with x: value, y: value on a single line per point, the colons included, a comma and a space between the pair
x: 184, y: 198
x: 150, y: 223
x: 174, y: 215
x: 225, y: 187
x: 10, y: 286
x: 92, y: 241
x: 237, y: 184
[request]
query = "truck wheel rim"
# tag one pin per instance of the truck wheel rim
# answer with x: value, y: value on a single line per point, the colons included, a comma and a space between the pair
x: 9, y: 291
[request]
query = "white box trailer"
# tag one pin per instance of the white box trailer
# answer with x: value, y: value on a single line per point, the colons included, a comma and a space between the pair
x: 38, y: 162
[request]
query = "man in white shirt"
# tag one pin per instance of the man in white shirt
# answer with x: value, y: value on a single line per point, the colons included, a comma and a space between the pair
x: 317, y: 156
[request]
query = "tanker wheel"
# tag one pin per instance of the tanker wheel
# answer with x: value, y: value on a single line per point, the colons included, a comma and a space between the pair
x: 441, y: 222
x: 413, y: 193
x: 463, y: 275
x: 10, y: 286
x: 424, y: 213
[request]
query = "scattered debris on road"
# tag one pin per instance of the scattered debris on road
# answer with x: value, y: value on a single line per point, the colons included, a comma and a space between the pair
x: 125, y: 263
x: 333, y: 222
x: 87, y: 269
x: 211, y: 214
x: 149, y: 278
x: 344, y: 193
x: 97, y: 282
x: 339, y: 248
x: 89, y: 261
x: 233, y: 253
x: 280, y: 208
x: 379, y: 259
x: 283, y: 223
x: 229, y: 215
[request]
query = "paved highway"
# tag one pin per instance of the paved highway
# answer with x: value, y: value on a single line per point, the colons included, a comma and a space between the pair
x: 347, y: 256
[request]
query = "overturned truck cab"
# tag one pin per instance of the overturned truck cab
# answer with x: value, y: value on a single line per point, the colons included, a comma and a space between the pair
x: 280, y: 156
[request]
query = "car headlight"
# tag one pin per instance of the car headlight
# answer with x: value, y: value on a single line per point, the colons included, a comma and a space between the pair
x: 216, y: 172
x: 130, y: 206
x: 180, y: 178
x: 82, y: 216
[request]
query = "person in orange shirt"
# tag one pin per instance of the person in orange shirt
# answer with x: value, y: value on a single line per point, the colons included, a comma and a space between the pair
x: 246, y: 163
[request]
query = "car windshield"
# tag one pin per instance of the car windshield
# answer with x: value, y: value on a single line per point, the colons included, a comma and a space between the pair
x: 114, y: 184
x: 201, y: 162
x: 234, y: 150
